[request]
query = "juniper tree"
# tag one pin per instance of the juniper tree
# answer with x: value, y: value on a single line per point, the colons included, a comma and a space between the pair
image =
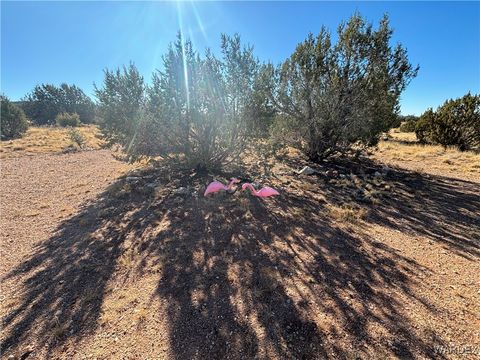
x: 13, y: 122
x: 337, y: 94
x: 455, y: 123
x: 196, y: 107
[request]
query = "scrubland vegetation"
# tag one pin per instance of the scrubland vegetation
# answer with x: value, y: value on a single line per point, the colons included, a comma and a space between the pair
x: 48, y: 140
x: 370, y: 251
x: 14, y: 122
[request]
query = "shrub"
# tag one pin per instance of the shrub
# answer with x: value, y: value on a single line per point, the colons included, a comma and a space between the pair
x: 423, y: 126
x: 76, y: 137
x: 121, y: 102
x: 67, y: 119
x: 197, y: 106
x: 340, y: 94
x: 408, y: 126
x: 455, y: 123
x: 13, y: 123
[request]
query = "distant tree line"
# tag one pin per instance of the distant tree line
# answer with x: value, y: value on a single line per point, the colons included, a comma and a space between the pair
x: 65, y: 105
x: 407, y: 123
x: 46, y: 101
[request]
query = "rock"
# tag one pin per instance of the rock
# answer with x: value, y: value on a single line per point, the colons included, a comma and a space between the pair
x: 181, y: 191
x: 377, y: 174
x: 385, y: 138
x: 307, y: 170
x: 385, y: 170
x: 343, y: 176
x: 132, y: 179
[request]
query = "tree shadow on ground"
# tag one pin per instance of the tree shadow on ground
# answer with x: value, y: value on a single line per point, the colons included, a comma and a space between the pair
x: 241, y: 277
x: 442, y: 209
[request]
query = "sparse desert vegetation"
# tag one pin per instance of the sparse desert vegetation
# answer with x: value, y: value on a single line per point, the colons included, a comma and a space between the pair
x: 48, y: 140
x: 405, y: 150
x: 229, y: 207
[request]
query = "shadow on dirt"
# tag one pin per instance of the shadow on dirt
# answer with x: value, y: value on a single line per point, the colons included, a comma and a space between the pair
x: 244, y: 277
x: 442, y: 209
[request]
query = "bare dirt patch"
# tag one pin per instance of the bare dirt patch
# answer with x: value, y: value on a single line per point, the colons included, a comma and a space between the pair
x: 372, y: 263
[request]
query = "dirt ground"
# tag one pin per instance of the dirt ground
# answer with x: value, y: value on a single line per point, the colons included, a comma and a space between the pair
x: 373, y: 263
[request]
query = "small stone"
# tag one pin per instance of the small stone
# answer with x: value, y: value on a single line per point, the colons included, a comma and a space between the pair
x: 181, y: 191
x: 377, y: 174
x: 132, y: 179
x: 307, y: 170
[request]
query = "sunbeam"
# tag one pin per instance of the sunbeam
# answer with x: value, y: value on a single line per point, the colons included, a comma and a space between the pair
x: 182, y: 39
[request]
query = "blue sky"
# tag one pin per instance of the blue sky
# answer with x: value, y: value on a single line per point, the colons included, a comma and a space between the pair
x: 55, y: 42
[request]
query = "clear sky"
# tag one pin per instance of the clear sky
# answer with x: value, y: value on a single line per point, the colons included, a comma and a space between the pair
x: 72, y: 42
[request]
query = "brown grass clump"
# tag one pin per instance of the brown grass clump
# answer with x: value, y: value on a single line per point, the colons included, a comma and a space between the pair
x: 347, y: 213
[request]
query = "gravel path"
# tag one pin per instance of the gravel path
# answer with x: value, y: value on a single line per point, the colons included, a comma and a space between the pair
x: 38, y: 192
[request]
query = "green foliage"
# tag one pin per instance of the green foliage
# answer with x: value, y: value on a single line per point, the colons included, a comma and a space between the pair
x: 76, y: 137
x: 13, y: 123
x: 46, y: 101
x: 343, y: 93
x: 408, y: 123
x: 197, y: 106
x: 121, y: 108
x: 423, y: 126
x: 455, y: 123
x: 260, y: 113
x: 67, y: 119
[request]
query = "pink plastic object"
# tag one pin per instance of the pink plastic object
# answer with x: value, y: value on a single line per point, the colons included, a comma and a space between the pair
x: 216, y: 186
x: 263, y: 192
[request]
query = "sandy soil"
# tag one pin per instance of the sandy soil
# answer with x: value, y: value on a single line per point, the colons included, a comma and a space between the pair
x: 360, y: 266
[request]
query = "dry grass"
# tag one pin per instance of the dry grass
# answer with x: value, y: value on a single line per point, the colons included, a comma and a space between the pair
x: 44, y: 140
x: 404, y: 149
x: 347, y: 214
